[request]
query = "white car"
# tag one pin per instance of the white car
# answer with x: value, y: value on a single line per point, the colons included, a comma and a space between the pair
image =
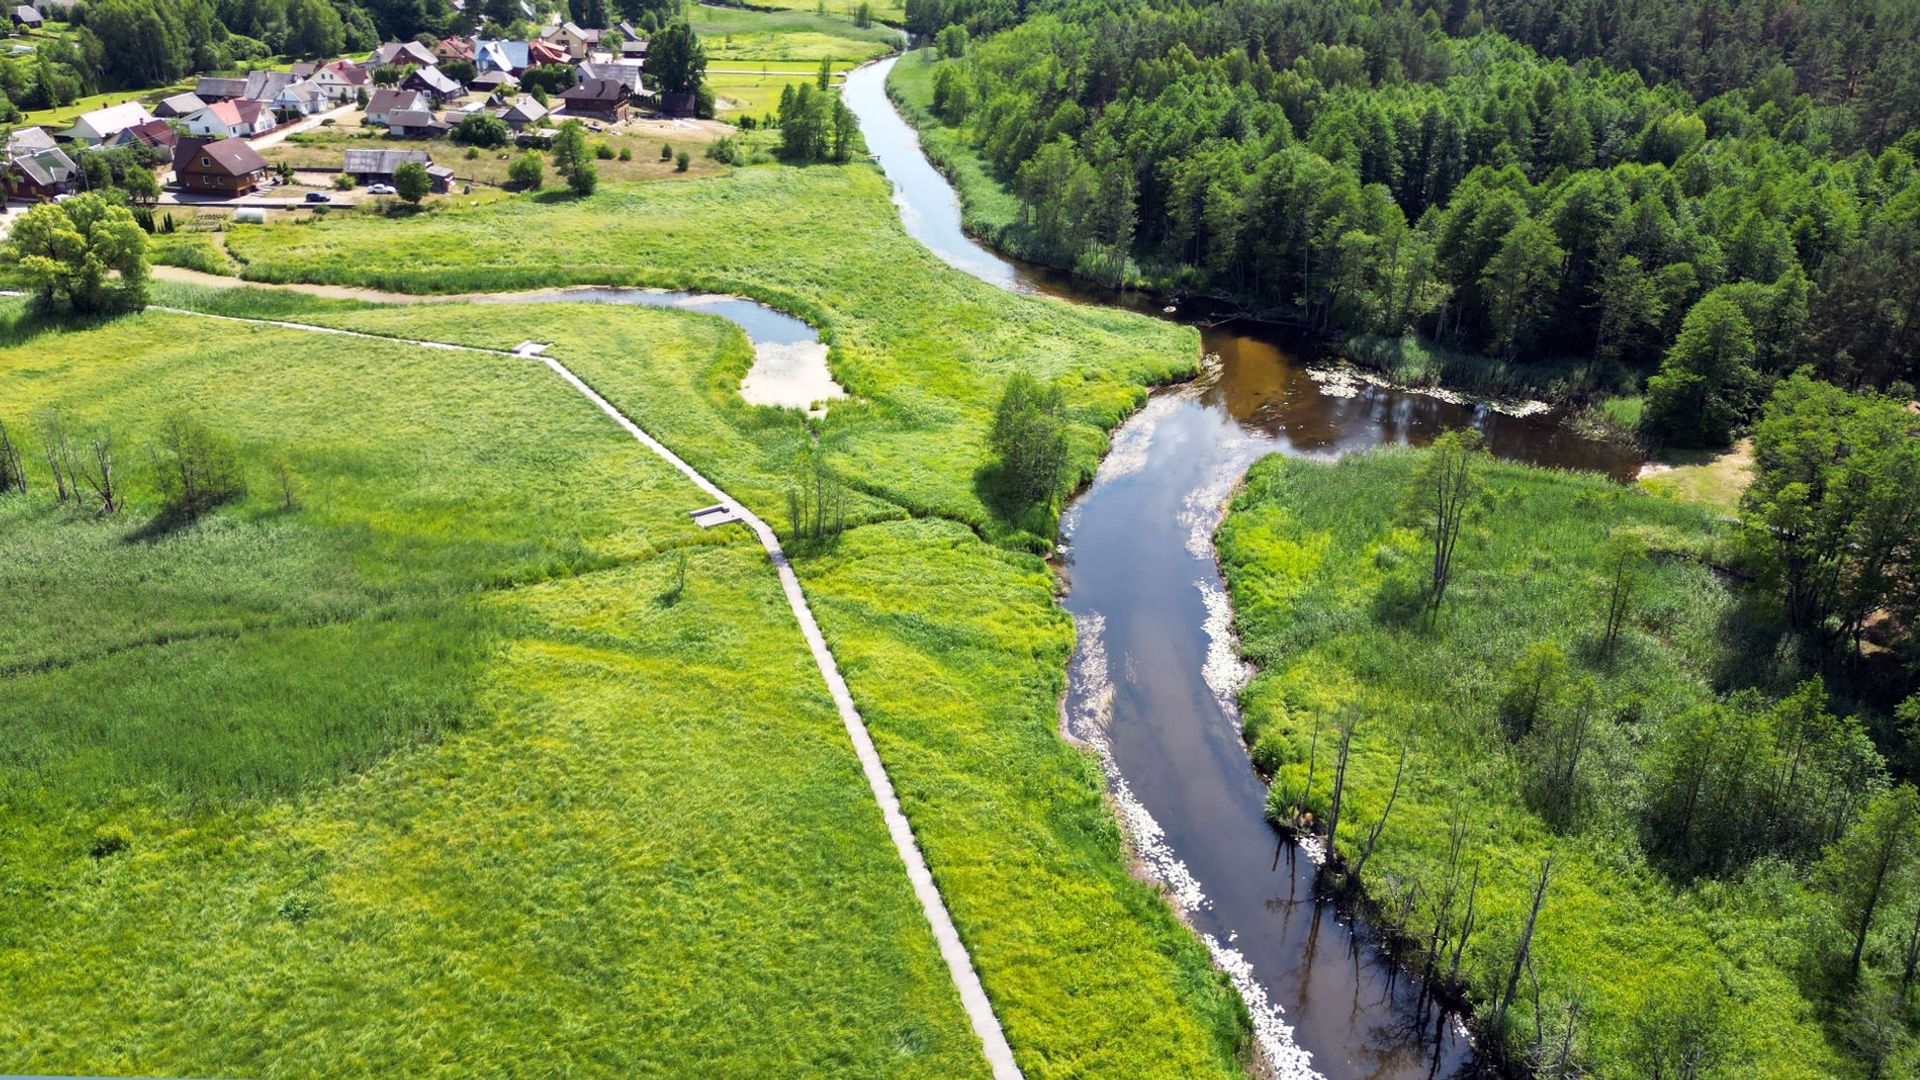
x: 381, y: 189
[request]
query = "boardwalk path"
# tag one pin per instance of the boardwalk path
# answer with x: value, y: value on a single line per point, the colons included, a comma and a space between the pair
x: 973, y: 997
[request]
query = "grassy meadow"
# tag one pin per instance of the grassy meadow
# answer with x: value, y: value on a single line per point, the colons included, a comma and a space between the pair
x: 734, y: 36
x: 1088, y: 970
x: 410, y: 779
x: 1320, y: 558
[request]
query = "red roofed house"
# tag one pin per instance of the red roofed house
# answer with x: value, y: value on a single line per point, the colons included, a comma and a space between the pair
x: 236, y: 117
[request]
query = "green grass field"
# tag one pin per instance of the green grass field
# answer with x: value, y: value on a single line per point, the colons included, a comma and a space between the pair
x: 1088, y: 971
x: 1316, y: 556
x: 411, y: 779
x: 733, y: 36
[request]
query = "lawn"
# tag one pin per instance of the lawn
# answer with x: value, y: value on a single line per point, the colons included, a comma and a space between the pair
x: 1320, y: 558
x: 735, y: 36
x: 1086, y: 967
x: 1711, y: 478
x: 410, y: 779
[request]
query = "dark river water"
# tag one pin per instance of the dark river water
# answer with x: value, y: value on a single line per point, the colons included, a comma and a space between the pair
x: 1155, y: 674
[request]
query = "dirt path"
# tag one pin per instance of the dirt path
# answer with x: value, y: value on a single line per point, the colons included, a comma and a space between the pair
x: 973, y: 996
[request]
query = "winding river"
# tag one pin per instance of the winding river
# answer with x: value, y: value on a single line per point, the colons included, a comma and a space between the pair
x: 1155, y: 674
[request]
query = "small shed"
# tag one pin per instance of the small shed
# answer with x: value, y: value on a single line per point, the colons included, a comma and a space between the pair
x: 26, y: 18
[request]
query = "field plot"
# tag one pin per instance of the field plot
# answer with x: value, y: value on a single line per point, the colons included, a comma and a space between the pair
x: 443, y: 770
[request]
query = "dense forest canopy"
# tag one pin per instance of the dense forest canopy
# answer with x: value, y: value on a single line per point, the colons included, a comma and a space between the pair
x: 1363, y: 167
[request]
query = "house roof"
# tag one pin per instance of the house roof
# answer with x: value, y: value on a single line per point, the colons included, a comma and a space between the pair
x: 311, y: 91
x: 303, y: 69
x: 382, y: 162
x: 545, y: 52
x: 386, y: 101
x: 210, y: 87
x: 414, y: 118
x: 401, y: 52
x: 346, y: 71
x: 511, y: 55
x: 436, y: 80
x: 455, y: 46
x: 266, y: 85
x: 46, y: 167
x: 494, y: 78
x: 29, y: 139
x: 180, y: 105
x: 24, y: 13
x: 524, y: 108
x: 114, y: 118
x: 233, y: 157
x: 154, y: 133
x: 596, y: 90
x: 627, y: 74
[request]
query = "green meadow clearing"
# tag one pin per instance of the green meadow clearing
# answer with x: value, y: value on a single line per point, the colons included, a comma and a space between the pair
x: 1319, y: 558
x: 733, y: 36
x: 942, y: 620
x: 436, y: 772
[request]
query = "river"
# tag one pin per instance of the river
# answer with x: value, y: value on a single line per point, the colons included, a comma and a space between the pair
x: 1156, y: 673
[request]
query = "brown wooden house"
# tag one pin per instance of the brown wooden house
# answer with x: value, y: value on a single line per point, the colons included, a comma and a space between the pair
x: 599, y: 99
x: 223, y: 167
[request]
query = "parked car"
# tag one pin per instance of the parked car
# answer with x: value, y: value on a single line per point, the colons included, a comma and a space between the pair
x: 381, y: 189
x: 318, y: 197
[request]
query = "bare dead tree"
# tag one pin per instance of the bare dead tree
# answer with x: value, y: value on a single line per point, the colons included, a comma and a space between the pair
x: 289, y: 484
x: 53, y: 443
x: 1442, y: 905
x: 1444, y: 491
x: 1373, y: 835
x: 1349, y: 720
x: 1523, y: 949
x: 97, y: 473
x: 1466, y: 927
x: 13, y: 475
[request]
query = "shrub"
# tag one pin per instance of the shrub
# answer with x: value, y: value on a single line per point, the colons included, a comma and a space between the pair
x: 727, y: 151
x: 481, y: 129
x: 195, y: 469
x: 681, y: 160
x: 626, y: 153
x: 666, y: 151
x: 343, y: 182
x: 411, y: 181
x: 603, y: 151
x: 583, y: 179
x: 527, y: 171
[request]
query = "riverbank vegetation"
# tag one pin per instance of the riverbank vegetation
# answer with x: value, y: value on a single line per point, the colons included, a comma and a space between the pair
x: 961, y: 697
x: 1409, y: 172
x: 1614, y: 695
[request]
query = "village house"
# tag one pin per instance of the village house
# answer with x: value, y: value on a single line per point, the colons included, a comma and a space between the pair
x: 264, y: 86
x: 102, y: 126
x: 625, y: 73
x: 218, y: 167
x: 156, y: 134
x: 211, y: 89
x: 36, y: 168
x: 494, y: 82
x: 577, y: 41
x: 677, y: 105
x: 505, y: 56
x: 377, y: 166
x: 303, y: 98
x: 342, y: 81
x: 238, y: 118
x: 401, y: 54
x: 541, y: 53
x: 436, y: 84
x: 598, y: 99
x: 453, y: 47
x: 179, y: 106
x: 633, y: 49
x: 385, y: 102
x: 26, y: 19
x: 416, y: 124
x: 523, y: 113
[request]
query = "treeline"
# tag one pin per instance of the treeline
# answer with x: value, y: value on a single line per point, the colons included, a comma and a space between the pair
x: 1373, y: 175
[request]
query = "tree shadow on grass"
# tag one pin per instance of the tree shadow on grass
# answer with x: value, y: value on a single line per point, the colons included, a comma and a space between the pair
x: 1036, y: 520
x: 37, y: 320
x: 1403, y: 602
x: 158, y: 527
